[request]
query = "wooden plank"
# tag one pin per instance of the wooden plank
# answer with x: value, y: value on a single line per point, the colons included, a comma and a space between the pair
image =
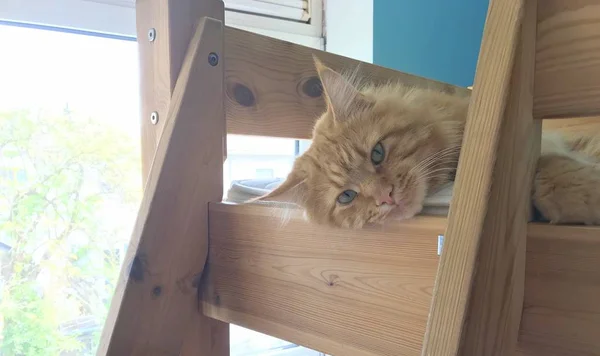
x: 573, y: 125
x: 276, y: 280
x: 567, y: 59
x: 561, y: 315
x: 342, y: 292
x: 174, y: 22
x: 156, y: 296
x: 272, y: 86
x: 478, y: 294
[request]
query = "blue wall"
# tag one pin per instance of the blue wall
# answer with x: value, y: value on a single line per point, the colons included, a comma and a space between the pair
x: 437, y: 39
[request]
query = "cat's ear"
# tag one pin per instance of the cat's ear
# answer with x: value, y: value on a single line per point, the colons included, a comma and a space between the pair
x: 341, y: 96
x: 292, y: 190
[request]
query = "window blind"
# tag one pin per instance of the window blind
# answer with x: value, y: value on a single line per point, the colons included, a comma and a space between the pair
x: 290, y: 10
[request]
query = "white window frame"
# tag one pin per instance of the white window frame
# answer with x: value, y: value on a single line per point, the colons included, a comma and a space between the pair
x: 90, y: 16
x: 347, y: 28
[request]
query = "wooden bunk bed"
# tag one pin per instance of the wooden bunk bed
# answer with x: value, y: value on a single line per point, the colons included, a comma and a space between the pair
x: 502, y: 286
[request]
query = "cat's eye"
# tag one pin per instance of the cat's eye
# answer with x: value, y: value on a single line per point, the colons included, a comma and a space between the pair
x: 377, y: 154
x: 346, y: 197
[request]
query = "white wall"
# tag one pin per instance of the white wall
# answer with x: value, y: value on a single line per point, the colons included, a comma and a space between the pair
x: 349, y: 28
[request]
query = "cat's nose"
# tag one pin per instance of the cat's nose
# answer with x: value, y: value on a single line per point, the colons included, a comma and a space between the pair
x: 385, y: 196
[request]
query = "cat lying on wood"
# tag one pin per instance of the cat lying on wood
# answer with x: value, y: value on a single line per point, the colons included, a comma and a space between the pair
x: 377, y: 152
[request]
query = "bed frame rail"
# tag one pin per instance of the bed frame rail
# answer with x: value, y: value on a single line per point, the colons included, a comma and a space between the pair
x: 340, y: 292
x: 272, y: 87
x: 567, y: 66
x: 195, y: 264
x: 561, y: 312
x: 329, y: 290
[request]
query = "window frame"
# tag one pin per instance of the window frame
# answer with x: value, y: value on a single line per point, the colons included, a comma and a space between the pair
x: 89, y: 16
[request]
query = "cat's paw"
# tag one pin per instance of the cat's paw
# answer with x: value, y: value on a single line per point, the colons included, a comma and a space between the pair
x: 566, y: 190
x: 548, y: 208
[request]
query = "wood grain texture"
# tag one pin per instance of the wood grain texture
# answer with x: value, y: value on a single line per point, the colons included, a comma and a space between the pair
x: 161, y: 59
x: 573, y: 125
x: 156, y: 82
x: 567, y: 59
x: 272, y: 87
x: 478, y: 295
x: 156, y: 296
x: 160, y: 63
x: 338, y: 291
x: 561, y: 315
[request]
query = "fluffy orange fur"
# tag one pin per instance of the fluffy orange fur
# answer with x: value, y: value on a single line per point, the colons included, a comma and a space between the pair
x: 377, y: 151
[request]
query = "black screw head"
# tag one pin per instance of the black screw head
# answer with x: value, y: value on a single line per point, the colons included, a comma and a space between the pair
x: 154, y: 118
x: 213, y: 59
x: 151, y: 35
x: 156, y: 291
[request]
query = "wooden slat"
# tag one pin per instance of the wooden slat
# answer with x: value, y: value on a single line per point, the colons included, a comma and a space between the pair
x: 156, y: 296
x: 338, y: 291
x: 573, y: 125
x: 273, y: 89
x: 561, y: 315
x: 567, y: 74
x: 478, y: 294
x: 276, y: 280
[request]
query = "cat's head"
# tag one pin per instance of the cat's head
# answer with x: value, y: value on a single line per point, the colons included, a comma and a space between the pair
x: 368, y: 157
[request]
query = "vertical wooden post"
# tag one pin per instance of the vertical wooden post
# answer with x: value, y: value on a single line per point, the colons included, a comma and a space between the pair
x: 156, y: 301
x: 173, y: 22
x: 478, y: 296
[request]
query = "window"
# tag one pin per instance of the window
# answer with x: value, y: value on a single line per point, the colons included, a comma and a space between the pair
x: 72, y: 182
x: 70, y: 185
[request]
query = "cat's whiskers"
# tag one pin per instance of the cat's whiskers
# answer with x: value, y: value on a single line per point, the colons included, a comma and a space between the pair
x: 435, y: 164
x: 436, y: 157
x: 431, y: 168
x: 433, y: 157
x: 438, y: 169
x: 441, y: 173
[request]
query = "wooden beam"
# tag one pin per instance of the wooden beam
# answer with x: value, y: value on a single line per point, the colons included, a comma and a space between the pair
x: 276, y: 280
x: 338, y: 291
x: 161, y: 57
x: 273, y: 90
x: 156, y: 296
x: 478, y: 295
x: 561, y: 313
x: 585, y: 125
x: 567, y: 65
x: 173, y: 22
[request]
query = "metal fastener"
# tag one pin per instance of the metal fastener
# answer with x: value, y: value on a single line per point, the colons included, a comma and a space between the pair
x: 156, y: 291
x: 151, y: 35
x: 154, y: 118
x: 213, y: 59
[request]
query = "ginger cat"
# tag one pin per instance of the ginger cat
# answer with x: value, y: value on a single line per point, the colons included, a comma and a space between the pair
x: 377, y: 152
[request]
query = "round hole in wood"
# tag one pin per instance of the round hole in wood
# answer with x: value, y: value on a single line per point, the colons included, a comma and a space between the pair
x: 243, y: 95
x: 312, y: 87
